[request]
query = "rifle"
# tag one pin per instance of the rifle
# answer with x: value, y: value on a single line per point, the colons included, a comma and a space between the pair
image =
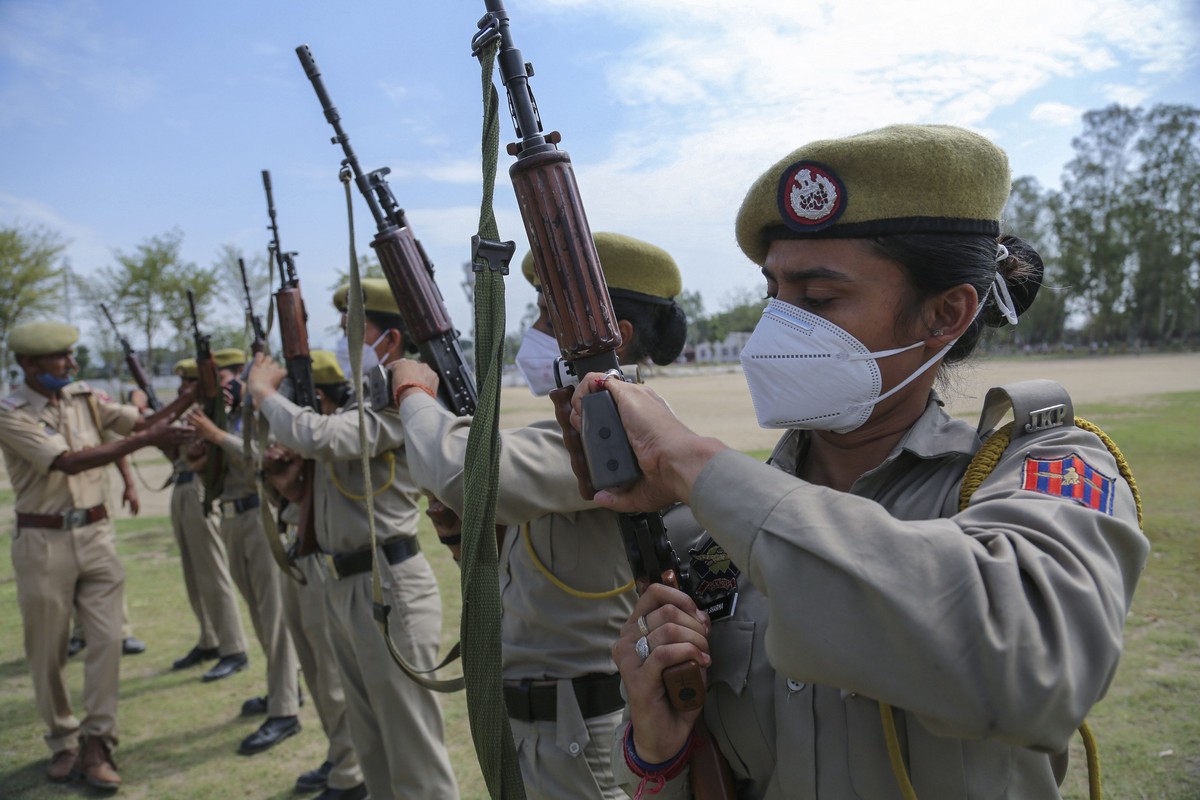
x: 293, y: 332
x: 135, y: 364
x: 407, y: 268
x: 259, y: 345
x: 584, y: 323
x: 212, y: 400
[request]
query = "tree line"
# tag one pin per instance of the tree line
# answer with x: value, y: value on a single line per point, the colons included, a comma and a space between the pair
x: 1120, y: 241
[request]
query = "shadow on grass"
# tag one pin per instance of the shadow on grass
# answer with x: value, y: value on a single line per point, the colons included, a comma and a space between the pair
x: 13, y: 669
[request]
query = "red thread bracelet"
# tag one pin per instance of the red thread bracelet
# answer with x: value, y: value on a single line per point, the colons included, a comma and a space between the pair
x: 410, y: 385
x: 654, y: 777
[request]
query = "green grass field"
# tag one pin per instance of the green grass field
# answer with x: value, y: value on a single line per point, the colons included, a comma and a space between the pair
x: 179, y: 735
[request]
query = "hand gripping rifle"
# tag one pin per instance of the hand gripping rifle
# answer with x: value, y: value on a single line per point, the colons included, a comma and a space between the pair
x: 293, y: 331
x: 584, y: 323
x: 212, y: 400
x: 407, y: 268
x: 135, y: 364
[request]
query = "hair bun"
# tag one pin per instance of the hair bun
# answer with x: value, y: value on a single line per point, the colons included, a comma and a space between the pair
x: 1022, y: 272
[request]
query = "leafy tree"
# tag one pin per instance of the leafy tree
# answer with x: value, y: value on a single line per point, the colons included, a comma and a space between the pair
x: 147, y: 287
x: 741, y: 312
x: 1094, y: 224
x: 229, y: 277
x: 31, y: 274
x: 698, y: 330
x: 1030, y: 214
x: 1165, y: 224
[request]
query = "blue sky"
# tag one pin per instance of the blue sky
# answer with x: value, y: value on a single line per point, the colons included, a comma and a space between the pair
x: 125, y: 120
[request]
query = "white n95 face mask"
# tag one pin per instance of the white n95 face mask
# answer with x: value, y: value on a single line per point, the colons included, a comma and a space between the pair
x: 535, y: 361
x: 805, y: 372
x: 369, y: 358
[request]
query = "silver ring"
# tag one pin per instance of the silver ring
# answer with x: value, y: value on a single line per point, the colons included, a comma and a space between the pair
x: 641, y: 622
x: 642, y: 648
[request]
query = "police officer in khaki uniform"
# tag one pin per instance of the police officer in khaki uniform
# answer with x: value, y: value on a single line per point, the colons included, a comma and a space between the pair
x: 64, y: 551
x: 396, y: 725
x: 565, y: 582
x: 339, y: 777
x: 251, y: 563
x: 205, y: 567
x: 896, y: 601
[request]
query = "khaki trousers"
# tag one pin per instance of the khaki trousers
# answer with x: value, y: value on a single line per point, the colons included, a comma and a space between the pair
x: 206, y: 575
x: 304, y: 612
x: 397, y: 725
x: 57, y: 570
x: 551, y: 771
x: 257, y: 577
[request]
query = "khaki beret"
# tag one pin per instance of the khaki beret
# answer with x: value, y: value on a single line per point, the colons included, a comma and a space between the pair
x: 377, y: 296
x: 186, y: 368
x: 229, y: 357
x: 895, y: 180
x: 42, y: 338
x: 325, y: 368
x: 629, y: 264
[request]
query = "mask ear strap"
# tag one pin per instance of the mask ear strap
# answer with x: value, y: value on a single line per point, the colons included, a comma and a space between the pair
x: 933, y: 360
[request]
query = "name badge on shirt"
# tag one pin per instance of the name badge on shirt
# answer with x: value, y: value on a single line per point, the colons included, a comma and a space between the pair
x: 715, y: 579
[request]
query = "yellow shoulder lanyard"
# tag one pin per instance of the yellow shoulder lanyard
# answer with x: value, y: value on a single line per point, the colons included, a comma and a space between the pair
x: 977, y: 471
x: 550, y: 576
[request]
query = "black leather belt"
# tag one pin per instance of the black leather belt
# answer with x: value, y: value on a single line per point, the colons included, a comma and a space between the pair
x: 394, y: 552
x: 530, y: 701
x: 184, y: 476
x: 74, y: 518
x: 247, y: 503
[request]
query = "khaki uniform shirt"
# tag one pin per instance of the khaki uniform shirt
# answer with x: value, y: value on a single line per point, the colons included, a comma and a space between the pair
x: 239, y: 470
x: 991, y: 631
x: 332, y: 440
x: 546, y: 633
x: 34, y: 432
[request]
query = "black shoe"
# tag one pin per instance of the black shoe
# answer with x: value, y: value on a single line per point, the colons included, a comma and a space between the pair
x: 269, y: 734
x: 226, y: 667
x: 197, y: 655
x: 254, y: 706
x: 74, y: 645
x: 314, y: 779
x: 353, y: 793
x: 132, y: 647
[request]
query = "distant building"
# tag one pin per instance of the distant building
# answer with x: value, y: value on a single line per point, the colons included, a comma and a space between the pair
x: 721, y: 352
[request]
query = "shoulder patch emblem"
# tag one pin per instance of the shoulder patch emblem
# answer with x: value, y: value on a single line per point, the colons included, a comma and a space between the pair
x: 1070, y: 477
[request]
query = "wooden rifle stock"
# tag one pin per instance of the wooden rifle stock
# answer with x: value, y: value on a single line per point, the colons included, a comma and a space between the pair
x: 407, y: 268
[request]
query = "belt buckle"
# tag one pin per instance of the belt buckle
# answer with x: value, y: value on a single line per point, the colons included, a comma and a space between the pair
x: 75, y: 518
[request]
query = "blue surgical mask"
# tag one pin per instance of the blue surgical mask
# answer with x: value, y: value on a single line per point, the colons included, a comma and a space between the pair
x: 52, y: 383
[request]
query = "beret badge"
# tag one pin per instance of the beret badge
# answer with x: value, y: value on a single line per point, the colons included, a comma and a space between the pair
x: 811, y: 196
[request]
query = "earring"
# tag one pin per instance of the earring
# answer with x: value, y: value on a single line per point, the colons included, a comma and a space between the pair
x: 936, y: 332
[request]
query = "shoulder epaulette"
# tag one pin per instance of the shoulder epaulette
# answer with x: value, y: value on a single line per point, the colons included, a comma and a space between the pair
x: 14, y: 400
x: 1037, y: 405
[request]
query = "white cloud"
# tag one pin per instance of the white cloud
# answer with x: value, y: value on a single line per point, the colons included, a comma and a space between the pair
x: 1057, y: 114
x: 721, y: 91
x: 1124, y: 94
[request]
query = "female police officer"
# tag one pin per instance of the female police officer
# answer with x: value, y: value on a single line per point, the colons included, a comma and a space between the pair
x: 565, y: 582
x: 983, y: 635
